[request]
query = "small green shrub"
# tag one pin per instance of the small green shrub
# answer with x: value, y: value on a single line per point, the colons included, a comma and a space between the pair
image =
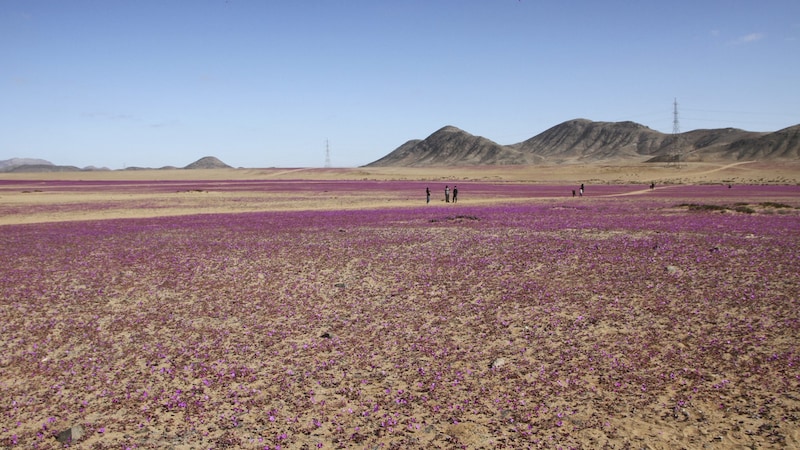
x: 774, y: 205
x: 698, y: 207
x: 744, y: 209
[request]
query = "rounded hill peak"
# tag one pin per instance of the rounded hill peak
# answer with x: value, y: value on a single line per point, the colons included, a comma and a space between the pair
x: 208, y: 162
x: 450, y: 129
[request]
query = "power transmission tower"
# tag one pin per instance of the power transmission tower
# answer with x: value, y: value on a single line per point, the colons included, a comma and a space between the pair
x: 676, y: 125
x: 327, y: 154
x: 676, y: 154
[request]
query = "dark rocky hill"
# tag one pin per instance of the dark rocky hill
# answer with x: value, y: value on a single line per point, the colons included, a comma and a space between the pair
x: 208, y: 162
x: 585, y: 141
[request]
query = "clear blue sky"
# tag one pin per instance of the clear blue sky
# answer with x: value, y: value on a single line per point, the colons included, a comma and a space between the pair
x: 265, y: 83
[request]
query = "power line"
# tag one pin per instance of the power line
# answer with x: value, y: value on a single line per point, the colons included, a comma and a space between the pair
x: 754, y: 113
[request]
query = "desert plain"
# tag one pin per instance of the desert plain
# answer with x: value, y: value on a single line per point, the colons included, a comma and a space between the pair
x: 335, y: 308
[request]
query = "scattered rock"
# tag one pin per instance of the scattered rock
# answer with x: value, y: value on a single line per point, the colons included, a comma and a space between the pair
x: 326, y: 335
x: 470, y: 432
x: 71, y: 435
x: 674, y: 270
x: 340, y: 285
x: 498, y: 363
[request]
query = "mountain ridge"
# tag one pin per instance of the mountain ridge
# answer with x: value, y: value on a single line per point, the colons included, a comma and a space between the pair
x: 576, y: 141
x: 34, y: 165
x: 587, y: 141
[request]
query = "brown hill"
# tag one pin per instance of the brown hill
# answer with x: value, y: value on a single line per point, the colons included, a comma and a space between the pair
x: 34, y: 165
x: 450, y: 146
x: 400, y: 156
x: 585, y: 141
x: 9, y: 164
x: 38, y: 168
x: 782, y: 144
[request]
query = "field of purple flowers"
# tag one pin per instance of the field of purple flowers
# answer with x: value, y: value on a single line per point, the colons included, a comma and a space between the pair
x: 670, y: 320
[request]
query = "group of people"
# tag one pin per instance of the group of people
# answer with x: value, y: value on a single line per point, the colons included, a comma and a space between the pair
x: 446, y: 194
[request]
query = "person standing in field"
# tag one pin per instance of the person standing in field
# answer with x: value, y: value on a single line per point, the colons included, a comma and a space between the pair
x: 581, y: 191
x: 447, y: 194
x: 455, y: 194
x: 427, y: 195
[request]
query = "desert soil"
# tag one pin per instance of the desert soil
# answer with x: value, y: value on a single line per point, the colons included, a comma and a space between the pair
x: 757, y: 416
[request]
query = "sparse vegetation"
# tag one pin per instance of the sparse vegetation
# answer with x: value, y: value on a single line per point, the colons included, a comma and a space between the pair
x: 525, y: 319
x: 744, y: 209
x: 774, y: 205
x: 741, y: 207
x: 702, y: 207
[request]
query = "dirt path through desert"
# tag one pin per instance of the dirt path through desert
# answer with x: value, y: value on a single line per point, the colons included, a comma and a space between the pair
x: 639, y: 192
x: 693, y: 175
x: 284, y: 172
x: 725, y: 167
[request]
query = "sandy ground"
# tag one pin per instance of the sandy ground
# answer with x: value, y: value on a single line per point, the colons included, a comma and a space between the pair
x: 24, y: 202
x: 744, y: 172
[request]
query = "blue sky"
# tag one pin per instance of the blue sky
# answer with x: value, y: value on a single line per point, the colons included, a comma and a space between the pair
x: 265, y: 83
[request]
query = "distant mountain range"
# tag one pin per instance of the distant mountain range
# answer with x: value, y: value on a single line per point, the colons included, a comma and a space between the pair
x: 30, y: 165
x: 585, y: 141
x: 578, y: 141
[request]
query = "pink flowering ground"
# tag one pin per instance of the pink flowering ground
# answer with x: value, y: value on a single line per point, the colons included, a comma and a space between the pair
x: 623, y: 319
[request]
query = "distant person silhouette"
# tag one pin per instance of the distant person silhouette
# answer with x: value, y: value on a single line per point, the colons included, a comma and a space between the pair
x: 427, y: 195
x: 447, y: 194
x: 455, y: 194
